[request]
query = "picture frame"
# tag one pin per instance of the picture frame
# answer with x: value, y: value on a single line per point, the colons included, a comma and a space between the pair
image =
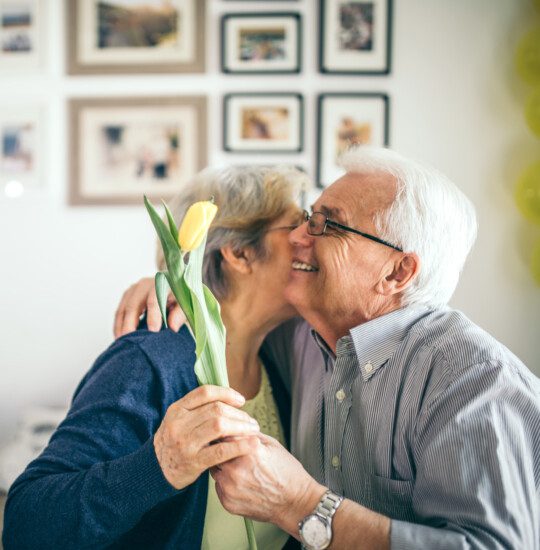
x: 261, y: 43
x: 115, y: 37
x: 122, y: 148
x: 355, y: 37
x: 346, y: 119
x: 22, y: 154
x: 263, y: 122
x: 22, y: 35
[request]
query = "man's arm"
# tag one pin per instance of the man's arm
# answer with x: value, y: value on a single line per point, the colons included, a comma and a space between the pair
x: 477, y: 456
x: 271, y: 485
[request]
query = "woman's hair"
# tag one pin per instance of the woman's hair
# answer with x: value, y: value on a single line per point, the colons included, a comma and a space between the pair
x: 249, y: 200
x: 429, y: 216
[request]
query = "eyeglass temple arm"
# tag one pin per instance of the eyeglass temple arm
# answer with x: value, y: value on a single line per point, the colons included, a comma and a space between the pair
x: 366, y: 235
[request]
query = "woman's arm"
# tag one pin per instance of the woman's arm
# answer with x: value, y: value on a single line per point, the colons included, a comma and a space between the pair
x: 100, y: 474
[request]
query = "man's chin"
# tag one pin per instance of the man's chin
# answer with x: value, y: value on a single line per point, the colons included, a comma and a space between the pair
x: 296, y: 296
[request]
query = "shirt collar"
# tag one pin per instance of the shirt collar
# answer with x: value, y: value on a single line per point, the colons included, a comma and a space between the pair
x: 377, y: 340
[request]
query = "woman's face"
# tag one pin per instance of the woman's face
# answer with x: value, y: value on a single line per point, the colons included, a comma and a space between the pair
x: 272, y: 271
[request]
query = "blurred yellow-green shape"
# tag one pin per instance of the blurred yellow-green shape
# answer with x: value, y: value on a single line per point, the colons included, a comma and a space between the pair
x: 527, y: 193
x: 528, y: 57
x: 535, y: 262
x: 532, y: 111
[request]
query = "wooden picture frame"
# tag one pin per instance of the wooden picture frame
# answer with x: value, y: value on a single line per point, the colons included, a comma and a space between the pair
x: 104, y: 38
x: 261, y: 43
x: 355, y: 37
x: 263, y: 122
x: 346, y: 119
x: 122, y: 148
x: 22, y: 35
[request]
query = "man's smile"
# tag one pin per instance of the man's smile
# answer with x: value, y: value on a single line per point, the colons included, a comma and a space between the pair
x: 302, y: 266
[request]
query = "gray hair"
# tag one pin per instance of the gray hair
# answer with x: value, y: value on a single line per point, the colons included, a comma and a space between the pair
x: 429, y: 216
x: 249, y: 200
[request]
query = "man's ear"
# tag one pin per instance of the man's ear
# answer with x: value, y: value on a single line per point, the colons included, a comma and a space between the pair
x: 400, y: 274
x: 238, y: 259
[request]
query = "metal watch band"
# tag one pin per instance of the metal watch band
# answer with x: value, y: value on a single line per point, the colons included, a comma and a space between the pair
x: 325, y: 510
x: 328, y: 505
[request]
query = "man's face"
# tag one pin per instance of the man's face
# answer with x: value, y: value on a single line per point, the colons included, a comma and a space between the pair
x: 334, y: 278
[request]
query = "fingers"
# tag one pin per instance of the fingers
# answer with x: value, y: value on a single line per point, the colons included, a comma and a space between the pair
x: 131, y: 307
x: 176, y: 317
x: 222, y: 427
x: 207, y: 394
x: 120, y: 312
x: 227, y: 450
x: 217, y: 409
x: 153, y: 313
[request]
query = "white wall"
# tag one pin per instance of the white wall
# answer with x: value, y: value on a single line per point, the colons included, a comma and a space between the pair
x: 455, y: 103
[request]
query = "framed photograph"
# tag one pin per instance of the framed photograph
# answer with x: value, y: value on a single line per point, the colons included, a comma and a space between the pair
x: 260, y: 122
x: 135, y: 36
x: 21, y: 150
x: 124, y: 148
x: 261, y: 43
x: 355, y: 36
x: 345, y: 120
x: 21, y: 35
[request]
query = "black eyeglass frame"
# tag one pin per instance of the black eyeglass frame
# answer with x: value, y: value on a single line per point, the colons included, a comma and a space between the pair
x: 332, y: 223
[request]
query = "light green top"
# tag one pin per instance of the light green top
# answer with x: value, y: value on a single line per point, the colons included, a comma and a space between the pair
x: 224, y: 531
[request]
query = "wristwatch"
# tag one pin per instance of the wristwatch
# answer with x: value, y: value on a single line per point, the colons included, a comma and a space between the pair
x: 316, y: 529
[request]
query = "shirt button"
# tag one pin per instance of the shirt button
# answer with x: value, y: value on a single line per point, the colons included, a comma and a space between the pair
x: 335, y: 461
x: 368, y: 367
x: 340, y: 395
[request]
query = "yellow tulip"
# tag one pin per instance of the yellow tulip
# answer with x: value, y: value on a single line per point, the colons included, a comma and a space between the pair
x: 195, y: 225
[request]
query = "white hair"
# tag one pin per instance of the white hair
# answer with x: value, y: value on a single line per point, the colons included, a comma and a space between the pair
x: 429, y: 216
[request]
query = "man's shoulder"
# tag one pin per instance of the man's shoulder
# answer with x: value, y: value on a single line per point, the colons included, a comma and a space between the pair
x: 453, y: 337
x: 451, y: 349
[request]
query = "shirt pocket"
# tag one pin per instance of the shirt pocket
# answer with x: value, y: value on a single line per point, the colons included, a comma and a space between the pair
x: 393, y: 497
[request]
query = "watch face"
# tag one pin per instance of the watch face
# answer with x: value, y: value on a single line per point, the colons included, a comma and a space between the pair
x: 315, y: 532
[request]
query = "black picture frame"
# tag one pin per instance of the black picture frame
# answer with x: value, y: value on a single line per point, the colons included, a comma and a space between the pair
x: 352, y: 53
x: 342, y: 113
x: 291, y: 63
x: 236, y: 108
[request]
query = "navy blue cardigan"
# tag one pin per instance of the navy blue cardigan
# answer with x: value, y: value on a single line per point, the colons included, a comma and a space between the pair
x: 98, y: 483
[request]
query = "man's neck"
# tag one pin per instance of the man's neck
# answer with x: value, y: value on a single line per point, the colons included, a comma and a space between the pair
x: 331, y: 333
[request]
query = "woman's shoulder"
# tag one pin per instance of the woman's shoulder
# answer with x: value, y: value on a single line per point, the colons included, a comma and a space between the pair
x: 164, y: 358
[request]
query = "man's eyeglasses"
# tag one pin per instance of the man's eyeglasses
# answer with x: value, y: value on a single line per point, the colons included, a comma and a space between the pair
x: 318, y: 222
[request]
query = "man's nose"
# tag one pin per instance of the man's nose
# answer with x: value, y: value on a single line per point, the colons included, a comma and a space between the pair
x: 300, y: 236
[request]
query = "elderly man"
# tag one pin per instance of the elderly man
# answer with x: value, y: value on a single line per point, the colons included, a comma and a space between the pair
x: 411, y: 427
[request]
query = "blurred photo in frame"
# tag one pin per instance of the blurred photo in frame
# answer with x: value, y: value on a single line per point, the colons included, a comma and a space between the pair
x: 355, y: 36
x: 124, y: 148
x: 22, y: 130
x: 22, y: 40
x: 261, y: 43
x: 260, y: 122
x: 345, y: 120
x: 135, y: 36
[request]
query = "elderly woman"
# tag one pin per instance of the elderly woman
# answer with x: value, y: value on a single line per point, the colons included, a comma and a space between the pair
x: 128, y: 467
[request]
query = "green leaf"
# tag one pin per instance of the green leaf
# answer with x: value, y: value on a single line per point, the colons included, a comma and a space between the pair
x: 172, y: 225
x: 171, y: 250
x: 162, y: 290
x: 183, y: 296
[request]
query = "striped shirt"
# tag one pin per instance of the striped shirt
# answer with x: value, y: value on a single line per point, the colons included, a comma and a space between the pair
x: 425, y: 418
